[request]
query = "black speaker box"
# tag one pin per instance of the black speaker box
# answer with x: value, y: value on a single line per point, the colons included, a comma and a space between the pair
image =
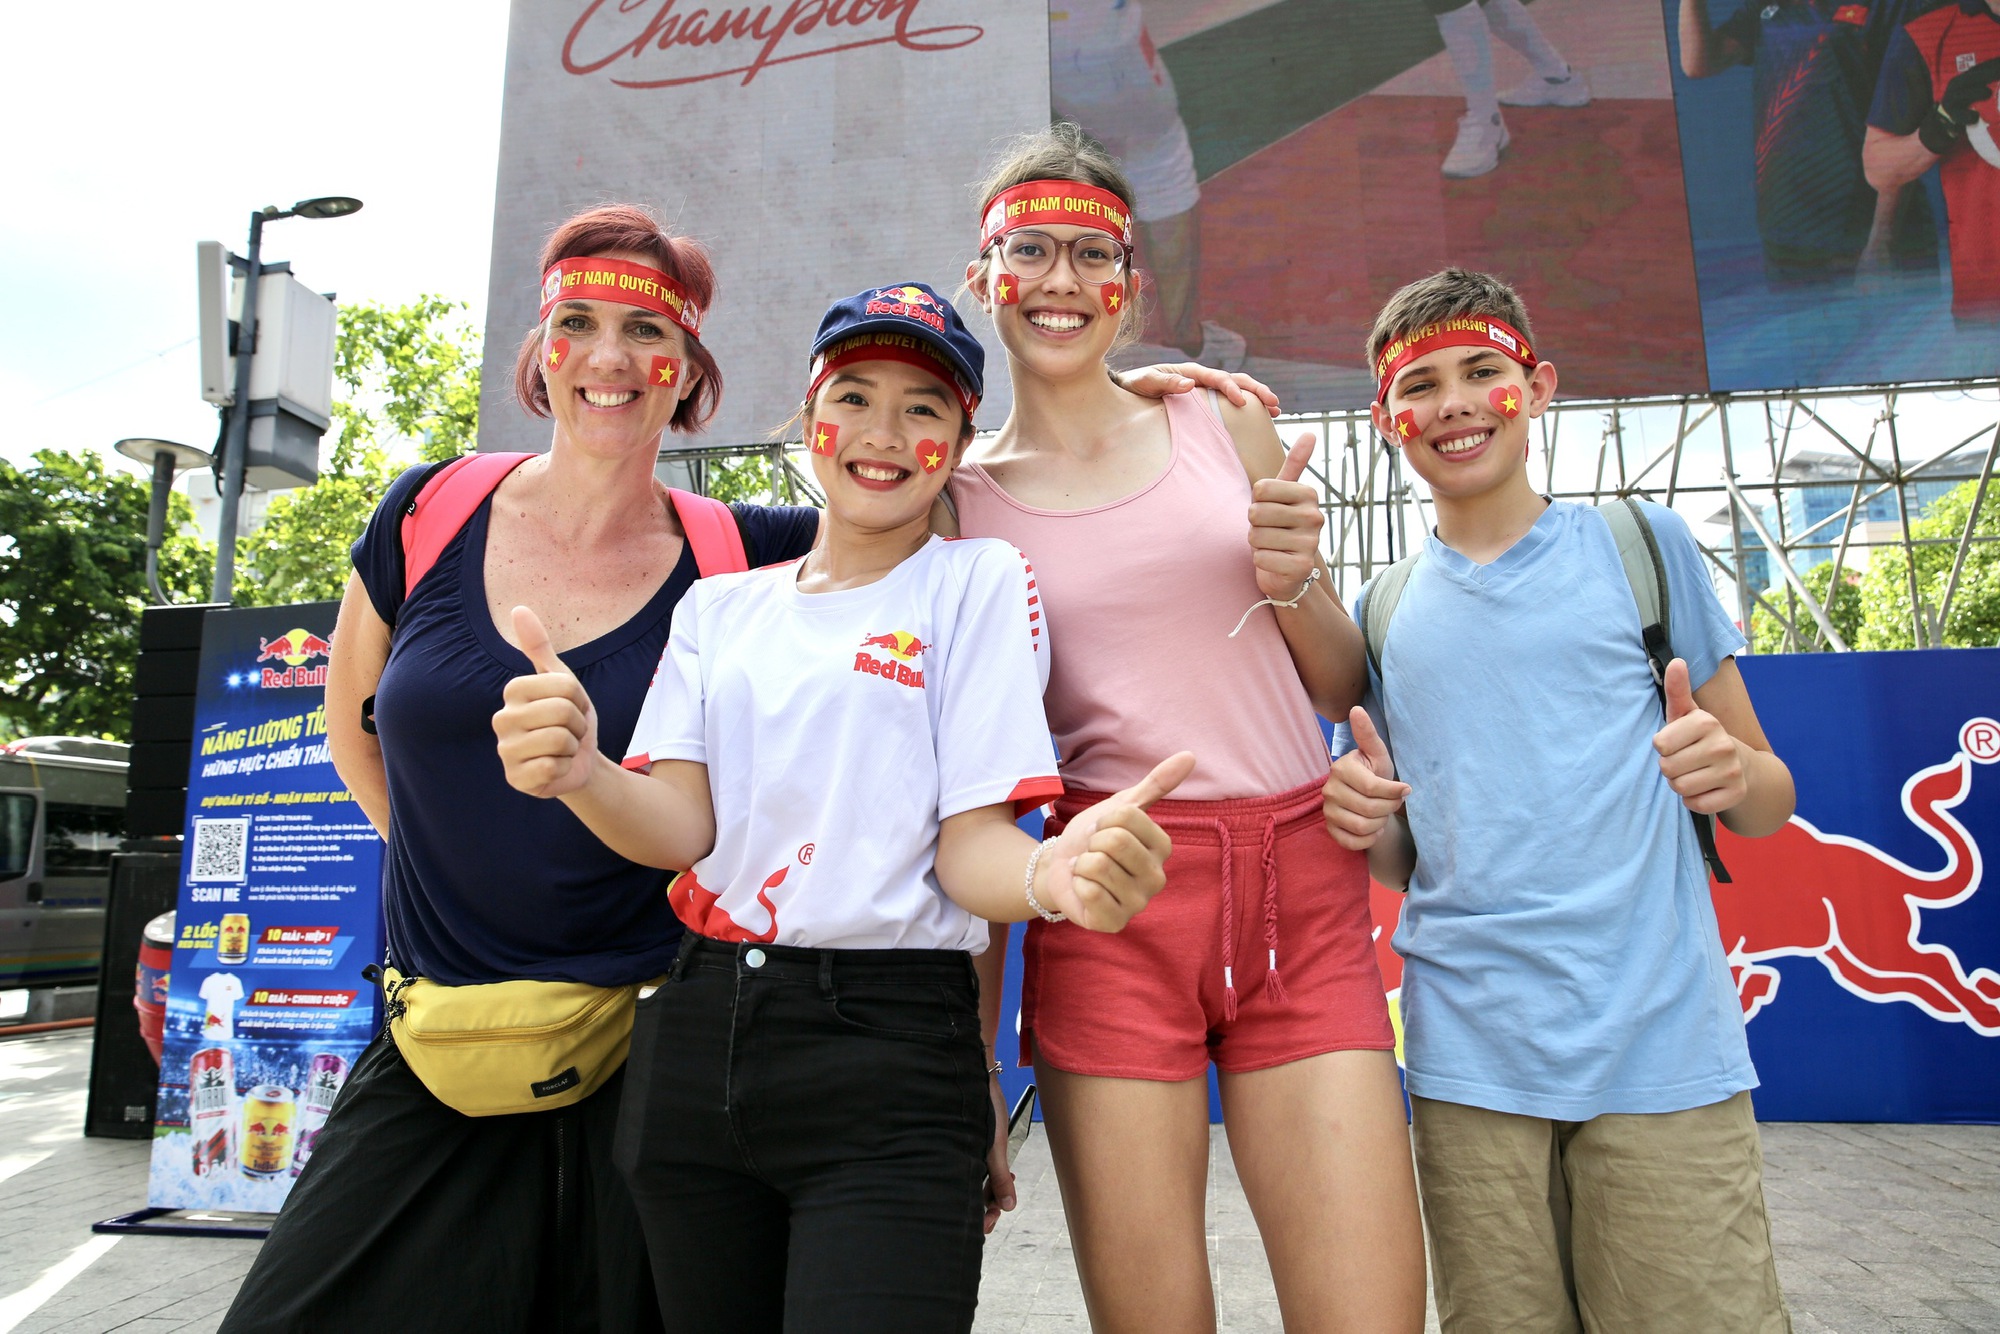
x: 124, y: 1081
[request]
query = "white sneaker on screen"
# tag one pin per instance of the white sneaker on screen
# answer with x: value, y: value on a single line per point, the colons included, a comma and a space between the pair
x: 1571, y: 90
x: 1476, y: 151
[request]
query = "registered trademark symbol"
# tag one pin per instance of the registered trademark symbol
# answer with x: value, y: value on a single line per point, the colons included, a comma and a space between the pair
x: 1980, y: 739
x: 806, y: 855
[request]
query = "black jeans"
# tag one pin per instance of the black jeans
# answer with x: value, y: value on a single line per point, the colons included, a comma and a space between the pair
x: 412, y: 1216
x: 805, y: 1134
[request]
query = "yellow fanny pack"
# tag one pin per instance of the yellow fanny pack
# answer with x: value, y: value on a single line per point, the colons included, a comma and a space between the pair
x: 503, y: 1047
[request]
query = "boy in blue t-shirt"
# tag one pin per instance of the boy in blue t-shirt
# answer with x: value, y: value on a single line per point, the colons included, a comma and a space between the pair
x: 1576, y: 1061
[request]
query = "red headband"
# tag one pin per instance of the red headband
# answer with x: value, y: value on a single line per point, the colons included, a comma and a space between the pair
x: 587, y: 278
x: 1461, y: 331
x: 882, y: 345
x: 1042, y: 203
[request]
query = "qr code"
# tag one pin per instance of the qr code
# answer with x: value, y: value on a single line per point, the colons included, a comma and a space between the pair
x: 220, y: 850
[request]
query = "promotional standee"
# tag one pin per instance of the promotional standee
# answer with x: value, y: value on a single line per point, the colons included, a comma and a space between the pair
x: 279, y: 911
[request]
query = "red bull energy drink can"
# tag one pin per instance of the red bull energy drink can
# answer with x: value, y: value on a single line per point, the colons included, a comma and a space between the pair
x: 211, y: 1089
x: 232, y: 944
x: 323, y: 1080
x: 269, y: 1120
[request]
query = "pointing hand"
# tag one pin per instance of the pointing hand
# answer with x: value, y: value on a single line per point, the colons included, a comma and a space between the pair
x: 1361, y: 791
x: 1108, y: 862
x: 548, y: 729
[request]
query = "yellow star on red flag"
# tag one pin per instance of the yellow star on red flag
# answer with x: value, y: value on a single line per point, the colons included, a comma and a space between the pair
x: 1003, y: 290
x: 931, y: 454
x: 1406, y: 425
x: 666, y: 370
x: 1506, y: 400
x: 824, y: 439
x: 557, y: 351
x: 1113, y: 298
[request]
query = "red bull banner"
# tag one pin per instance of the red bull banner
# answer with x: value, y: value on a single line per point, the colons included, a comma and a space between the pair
x: 815, y: 146
x: 278, y: 912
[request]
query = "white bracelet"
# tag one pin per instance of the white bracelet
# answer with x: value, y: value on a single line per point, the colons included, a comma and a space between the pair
x: 1293, y: 601
x: 1034, y: 860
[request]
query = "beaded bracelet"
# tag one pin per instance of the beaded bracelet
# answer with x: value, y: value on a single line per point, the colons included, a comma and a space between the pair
x: 1034, y: 860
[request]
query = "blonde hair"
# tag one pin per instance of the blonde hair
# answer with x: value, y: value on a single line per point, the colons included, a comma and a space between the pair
x: 1063, y: 152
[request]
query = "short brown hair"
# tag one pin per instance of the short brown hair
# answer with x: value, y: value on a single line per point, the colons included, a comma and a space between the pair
x: 1063, y: 152
x: 1446, y: 294
x: 608, y: 227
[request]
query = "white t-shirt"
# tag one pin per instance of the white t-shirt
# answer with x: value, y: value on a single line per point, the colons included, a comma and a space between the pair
x: 839, y: 729
x: 220, y: 991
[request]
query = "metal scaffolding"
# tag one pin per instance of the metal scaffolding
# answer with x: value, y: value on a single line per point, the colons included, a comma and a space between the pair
x: 1760, y: 457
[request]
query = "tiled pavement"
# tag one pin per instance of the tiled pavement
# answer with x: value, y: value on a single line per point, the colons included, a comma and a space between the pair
x: 1878, y: 1228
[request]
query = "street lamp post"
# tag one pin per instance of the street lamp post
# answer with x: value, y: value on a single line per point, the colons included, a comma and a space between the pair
x: 166, y: 459
x: 236, y: 439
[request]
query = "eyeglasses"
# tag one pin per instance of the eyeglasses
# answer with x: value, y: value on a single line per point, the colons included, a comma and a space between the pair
x: 1096, y: 259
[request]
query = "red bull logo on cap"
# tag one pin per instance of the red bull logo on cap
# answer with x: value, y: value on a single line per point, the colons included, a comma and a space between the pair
x: 912, y: 303
x: 294, y: 648
x: 902, y: 647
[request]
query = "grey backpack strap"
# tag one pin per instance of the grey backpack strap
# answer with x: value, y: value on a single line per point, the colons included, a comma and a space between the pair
x: 1378, y: 605
x: 1646, y: 572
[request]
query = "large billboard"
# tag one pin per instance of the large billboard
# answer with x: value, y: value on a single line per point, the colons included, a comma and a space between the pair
x: 1685, y: 191
x: 815, y: 146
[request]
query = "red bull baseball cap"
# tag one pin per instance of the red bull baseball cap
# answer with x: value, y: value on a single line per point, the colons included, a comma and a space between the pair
x: 906, y: 322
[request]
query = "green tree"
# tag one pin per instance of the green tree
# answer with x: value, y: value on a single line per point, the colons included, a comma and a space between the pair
x: 72, y: 581
x: 745, y: 479
x: 407, y: 382
x: 1975, y: 605
x: 1768, y: 634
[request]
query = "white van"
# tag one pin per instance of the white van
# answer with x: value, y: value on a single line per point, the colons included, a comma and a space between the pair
x: 62, y: 811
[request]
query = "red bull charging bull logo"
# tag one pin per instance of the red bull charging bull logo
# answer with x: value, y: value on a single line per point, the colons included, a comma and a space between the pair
x: 1803, y: 893
x: 296, y: 649
x: 903, y: 648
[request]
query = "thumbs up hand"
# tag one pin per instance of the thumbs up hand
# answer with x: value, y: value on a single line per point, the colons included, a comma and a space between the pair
x: 1108, y: 862
x: 1285, y: 520
x: 1361, y: 791
x: 548, y: 729
x: 1701, y: 761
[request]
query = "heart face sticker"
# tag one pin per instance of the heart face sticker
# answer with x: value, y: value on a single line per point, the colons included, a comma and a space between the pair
x: 554, y: 354
x: 825, y: 438
x: 1113, y: 295
x: 1506, y: 400
x: 932, y: 454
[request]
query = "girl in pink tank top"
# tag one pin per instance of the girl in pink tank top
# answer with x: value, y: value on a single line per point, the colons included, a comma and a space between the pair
x: 1152, y: 527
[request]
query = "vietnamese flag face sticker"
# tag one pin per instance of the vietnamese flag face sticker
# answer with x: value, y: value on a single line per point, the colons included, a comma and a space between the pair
x: 1506, y: 400
x: 932, y: 454
x: 1006, y: 289
x: 666, y: 373
x: 1405, y: 428
x: 825, y: 438
x: 1113, y: 295
x: 554, y: 355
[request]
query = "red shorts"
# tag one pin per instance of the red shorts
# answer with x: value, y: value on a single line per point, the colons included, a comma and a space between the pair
x: 1259, y: 951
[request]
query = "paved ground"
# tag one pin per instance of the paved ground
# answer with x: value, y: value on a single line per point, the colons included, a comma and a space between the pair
x: 1879, y: 1228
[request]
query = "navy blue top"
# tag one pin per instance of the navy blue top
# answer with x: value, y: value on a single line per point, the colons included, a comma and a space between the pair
x: 482, y: 883
x: 1814, y: 69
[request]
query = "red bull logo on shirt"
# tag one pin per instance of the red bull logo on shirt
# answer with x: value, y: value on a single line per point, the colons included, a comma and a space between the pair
x: 294, y: 648
x: 902, y: 647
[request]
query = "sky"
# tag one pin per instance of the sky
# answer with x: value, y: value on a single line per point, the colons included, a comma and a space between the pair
x: 142, y: 128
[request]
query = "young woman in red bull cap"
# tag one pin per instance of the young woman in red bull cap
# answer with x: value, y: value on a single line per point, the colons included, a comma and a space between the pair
x: 1258, y: 956
x: 833, y: 753
x: 409, y: 1210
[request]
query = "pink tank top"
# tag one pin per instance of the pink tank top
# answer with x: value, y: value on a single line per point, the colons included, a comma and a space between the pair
x: 1140, y: 596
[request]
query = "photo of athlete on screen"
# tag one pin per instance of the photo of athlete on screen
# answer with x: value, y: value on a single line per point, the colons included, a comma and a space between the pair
x: 1935, y: 104
x: 1814, y: 65
x: 1468, y: 27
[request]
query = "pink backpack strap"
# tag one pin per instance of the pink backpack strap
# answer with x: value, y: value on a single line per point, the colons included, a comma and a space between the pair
x: 444, y: 505
x: 711, y: 530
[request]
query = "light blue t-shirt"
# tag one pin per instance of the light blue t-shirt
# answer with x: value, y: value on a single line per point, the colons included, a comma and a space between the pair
x: 1561, y: 956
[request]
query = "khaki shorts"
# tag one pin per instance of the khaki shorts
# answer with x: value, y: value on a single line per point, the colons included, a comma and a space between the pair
x: 1623, y: 1222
